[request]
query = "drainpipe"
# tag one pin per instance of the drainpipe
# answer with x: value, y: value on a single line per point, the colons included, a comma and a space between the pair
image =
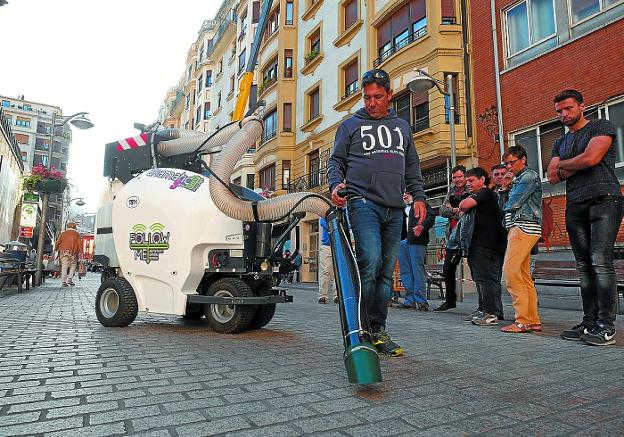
x: 499, y: 105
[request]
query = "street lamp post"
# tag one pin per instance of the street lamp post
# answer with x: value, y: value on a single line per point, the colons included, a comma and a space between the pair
x: 424, y: 82
x: 81, y: 122
x: 79, y: 202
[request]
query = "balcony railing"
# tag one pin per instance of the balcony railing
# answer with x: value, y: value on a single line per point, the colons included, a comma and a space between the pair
x: 269, y: 135
x: 421, y: 124
x: 419, y: 33
x: 15, y: 149
x: 308, y: 181
x: 215, y: 40
x: 449, y: 20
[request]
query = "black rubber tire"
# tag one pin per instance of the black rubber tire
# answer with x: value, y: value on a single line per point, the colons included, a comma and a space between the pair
x: 194, y: 311
x: 265, y: 313
x: 115, y: 303
x: 230, y: 319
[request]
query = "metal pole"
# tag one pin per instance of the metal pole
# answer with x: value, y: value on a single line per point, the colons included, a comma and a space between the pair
x: 452, y: 120
x: 499, y: 104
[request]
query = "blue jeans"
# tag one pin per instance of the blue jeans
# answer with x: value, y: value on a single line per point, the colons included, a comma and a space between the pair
x: 412, y: 265
x: 592, y: 227
x: 377, y: 232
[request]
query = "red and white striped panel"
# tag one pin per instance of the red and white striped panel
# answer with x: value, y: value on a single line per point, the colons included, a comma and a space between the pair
x: 132, y: 142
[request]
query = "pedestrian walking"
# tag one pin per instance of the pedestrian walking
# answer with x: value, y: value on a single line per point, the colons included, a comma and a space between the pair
x: 585, y: 159
x: 485, y: 254
x: 452, y: 257
x: 375, y: 160
x: 69, y: 248
x: 326, y: 267
x: 412, y: 259
x: 523, y: 220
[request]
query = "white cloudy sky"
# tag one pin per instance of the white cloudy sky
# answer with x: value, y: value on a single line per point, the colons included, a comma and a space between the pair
x: 114, y: 58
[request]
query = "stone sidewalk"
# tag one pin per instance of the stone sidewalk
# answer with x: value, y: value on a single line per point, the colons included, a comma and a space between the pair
x: 62, y: 373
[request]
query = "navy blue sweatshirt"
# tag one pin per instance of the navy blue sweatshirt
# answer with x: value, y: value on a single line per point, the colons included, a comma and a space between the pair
x: 376, y: 159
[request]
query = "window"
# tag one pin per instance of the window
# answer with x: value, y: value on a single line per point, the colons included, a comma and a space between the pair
x: 201, y: 53
x: 582, y: 9
x: 21, y: 138
x: 24, y: 156
x: 200, y: 83
x: 285, y: 174
x: 350, y: 13
x: 22, y: 121
x: 270, y: 74
x: 447, y: 107
x: 232, y: 84
x: 270, y: 126
x: 272, y: 24
x: 287, y: 117
x: 351, y: 78
x: 255, y: 12
x: 250, y: 181
x: 448, y: 12
x: 198, y: 115
x: 220, y: 67
x: 219, y: 100
x: 314, y: 104
x: 237, y: 181
x: 413, y: 108
x: 290, y: 8
x: 313, y: 169
x: 253, y: 95
x: 206, y: 110
x: 27, y: 107
x: 208, y: 78
x: 315, y: 41
x: 615, y: 114
x: 188, y: 101
x: 529, y: 23
x: 267, y: 178
x: 6, y: 103
x: 42, y: 144
x: 405, y: 26
x: 242, y: 58
x: 288, y: 63
x: 43, y: 128
x: 189, y: 73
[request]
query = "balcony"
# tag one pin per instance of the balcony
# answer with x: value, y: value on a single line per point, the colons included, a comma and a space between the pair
x: 268, y: 135
x: 421, y: 124
x: 176, y: 106
x: 414, y: 36
x: 449, y: 20
x: 316, y: 181
x: 227, y: 25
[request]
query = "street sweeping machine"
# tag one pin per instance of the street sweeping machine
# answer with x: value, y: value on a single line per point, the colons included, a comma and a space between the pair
x: 176, y: 237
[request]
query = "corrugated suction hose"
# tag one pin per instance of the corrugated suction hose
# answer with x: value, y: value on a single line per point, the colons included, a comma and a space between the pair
x: 223, y: 164
x: 180, y: 141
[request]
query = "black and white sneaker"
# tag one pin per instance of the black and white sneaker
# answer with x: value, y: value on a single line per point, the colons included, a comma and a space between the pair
x: 575, y: 333
x: 600, y: 335
x: 485, y: 320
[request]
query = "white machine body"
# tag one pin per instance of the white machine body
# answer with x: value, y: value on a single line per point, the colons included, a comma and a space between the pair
x: 164, y: 225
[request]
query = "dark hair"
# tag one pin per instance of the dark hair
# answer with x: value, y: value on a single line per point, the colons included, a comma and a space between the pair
x: 569, y: 94
x: 517, y: 151
x: 498, y: 166
x: 376, y: 76
x: 458, y: 168
x: 479, y: 173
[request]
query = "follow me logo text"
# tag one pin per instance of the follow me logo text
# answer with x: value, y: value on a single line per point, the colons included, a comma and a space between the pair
x: 148, y: 245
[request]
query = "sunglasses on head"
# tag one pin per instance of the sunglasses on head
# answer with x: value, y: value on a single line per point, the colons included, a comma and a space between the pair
x: 375, y: 74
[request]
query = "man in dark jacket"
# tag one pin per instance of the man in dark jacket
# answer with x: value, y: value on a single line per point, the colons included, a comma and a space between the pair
x: 412, y: 257
x: 375, y: 160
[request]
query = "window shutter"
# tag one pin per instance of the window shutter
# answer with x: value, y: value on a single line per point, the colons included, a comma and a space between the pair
x: 384, y: 33
x: 21, y: 138
x: 351, y: 72
x: 400, y: 21
x: 287, y: 117
x: 255, y: 14
x: 418, y: 10
x: 420, y: 98
x: 448, y: 8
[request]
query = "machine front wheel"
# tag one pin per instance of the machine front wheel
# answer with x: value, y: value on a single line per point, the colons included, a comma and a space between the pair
x: 115, y: 303
x: 230, y: 319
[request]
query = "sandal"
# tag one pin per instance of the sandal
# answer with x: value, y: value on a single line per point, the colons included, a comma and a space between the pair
x: 536, y: 327
x: 517, y: 328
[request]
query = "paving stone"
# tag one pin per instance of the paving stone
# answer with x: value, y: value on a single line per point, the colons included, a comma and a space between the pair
x: 381, y: 428
x: 277, y: 416
x: 213, y: 427
x: 132, y: 413
x: 327, y: 422
x: 32, y: 406
x: 273, y: 431
x: 43, y: 427
x: 164, y: 420
x: 81, y: 409
x: 14, y: 419
x: 109, y: 429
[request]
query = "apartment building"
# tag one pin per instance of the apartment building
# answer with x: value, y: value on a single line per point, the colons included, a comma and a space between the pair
x: 11, y: 172
x: 544, y: 47
x: 205, y: 95
x: 31, y: 123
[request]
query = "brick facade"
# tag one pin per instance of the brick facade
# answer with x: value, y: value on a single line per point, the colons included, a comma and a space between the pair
x: 592, y: 63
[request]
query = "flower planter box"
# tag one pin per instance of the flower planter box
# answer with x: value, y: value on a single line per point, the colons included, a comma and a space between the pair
x: 51, y: 186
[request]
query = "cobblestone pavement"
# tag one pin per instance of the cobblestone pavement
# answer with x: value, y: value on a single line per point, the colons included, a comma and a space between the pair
x: 62, y: 373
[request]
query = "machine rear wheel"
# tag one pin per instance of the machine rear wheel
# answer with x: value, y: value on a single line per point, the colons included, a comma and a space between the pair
x: 265, y: 313
x: 229, y: 319
x: 115, y: 303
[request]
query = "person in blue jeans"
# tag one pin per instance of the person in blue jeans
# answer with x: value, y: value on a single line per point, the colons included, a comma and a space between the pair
x: 375, y: 160
x: 412, y: 259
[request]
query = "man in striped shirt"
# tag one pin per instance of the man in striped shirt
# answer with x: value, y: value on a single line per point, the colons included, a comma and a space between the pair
x: 523, y: 219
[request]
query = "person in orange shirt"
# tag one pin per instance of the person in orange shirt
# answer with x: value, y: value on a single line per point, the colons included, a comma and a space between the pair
x: 69, y: 248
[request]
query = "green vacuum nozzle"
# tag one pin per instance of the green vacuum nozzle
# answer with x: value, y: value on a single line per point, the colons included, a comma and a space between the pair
x: 362, y: 364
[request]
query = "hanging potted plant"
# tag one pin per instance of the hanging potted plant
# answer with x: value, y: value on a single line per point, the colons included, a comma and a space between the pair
x: 43, y: 180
